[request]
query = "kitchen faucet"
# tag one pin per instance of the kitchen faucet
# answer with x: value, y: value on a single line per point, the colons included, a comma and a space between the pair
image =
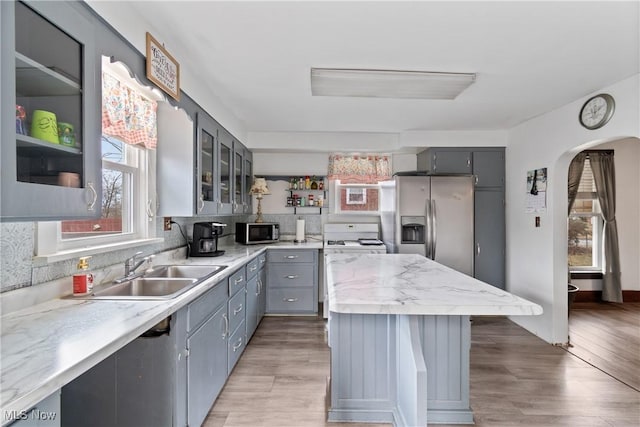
x: 130, y: 264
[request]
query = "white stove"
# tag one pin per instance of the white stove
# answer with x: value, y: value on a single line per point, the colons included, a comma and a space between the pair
x: 362, y: 238
x: 349, y: 238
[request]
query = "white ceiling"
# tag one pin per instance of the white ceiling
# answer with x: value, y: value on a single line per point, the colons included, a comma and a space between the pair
x: 255, y: 57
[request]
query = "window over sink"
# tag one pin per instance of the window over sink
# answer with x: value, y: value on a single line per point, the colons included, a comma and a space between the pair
x: 129, y: 135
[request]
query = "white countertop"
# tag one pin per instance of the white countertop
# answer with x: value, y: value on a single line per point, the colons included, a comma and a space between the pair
x: 413, y: 284
x: 45, y: 346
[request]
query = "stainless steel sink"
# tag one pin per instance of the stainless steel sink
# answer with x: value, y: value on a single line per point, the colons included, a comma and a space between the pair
x: 147, y: 288
x: 182, y: 271
x: 161, y: 282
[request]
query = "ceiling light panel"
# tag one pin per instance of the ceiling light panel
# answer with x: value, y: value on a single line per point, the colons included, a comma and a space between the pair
x: 388, y: 83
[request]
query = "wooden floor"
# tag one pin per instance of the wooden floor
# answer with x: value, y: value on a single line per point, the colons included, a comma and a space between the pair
x: 607, y: 336
x: 516, y: 380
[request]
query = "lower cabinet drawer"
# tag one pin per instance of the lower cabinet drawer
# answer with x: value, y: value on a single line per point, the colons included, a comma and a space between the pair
x: 237, y: 308
x: 286, y: 300
x: 203, y: 307
x: 285, y: 275
x: 236, y: 345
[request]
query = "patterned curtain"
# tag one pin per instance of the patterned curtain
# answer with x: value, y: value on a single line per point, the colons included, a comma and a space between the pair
x: 359, y: 169
x: 127, y: 115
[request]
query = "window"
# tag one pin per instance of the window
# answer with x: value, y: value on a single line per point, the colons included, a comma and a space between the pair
x: 585, y: 226
x: 354, y: 180
x: 127, y: 196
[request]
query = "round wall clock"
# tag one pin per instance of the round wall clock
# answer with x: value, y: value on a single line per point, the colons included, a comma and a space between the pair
x: 597, y: 111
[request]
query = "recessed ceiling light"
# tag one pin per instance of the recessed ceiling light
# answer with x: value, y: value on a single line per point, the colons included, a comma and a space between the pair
x: 388, y: 83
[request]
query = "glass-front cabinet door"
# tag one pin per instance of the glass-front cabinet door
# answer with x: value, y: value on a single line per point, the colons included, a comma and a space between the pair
x: 248, y: 180
x: 51, y: 165
x: 206, y: 203
x: 225, y: 144
x: 238, y: 162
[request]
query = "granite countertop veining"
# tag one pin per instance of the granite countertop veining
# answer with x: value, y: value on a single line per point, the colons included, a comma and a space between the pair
x: 47, y: 345
x: 413, y: 284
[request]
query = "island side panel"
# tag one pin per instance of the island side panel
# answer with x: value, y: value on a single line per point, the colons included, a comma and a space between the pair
x: 446, y: 342
x: 362, y: 367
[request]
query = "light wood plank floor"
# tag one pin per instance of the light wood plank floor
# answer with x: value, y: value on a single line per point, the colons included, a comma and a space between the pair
x: 607, y: 336
x: 516, y: 380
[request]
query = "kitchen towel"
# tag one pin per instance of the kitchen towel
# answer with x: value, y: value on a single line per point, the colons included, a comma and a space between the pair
x: 300, y: 230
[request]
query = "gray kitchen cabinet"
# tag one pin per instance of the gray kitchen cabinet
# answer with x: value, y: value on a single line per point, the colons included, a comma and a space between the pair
x: 444, y: 161
x: 489, y: 239
x: 224, y: 187
x: 50, y: 70
x: 488, y: 165
x: 44, y: 414
x: 292, y: 281
x: 171, y: 377
x: 255, y: 294
x: 262, y: 282
x: 237, y: 308
x: 206, y: 366
x: 209, y: 179
x: 247, y: 171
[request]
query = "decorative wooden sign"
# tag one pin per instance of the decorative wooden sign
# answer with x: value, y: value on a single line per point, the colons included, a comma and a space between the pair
x: 162, y: 68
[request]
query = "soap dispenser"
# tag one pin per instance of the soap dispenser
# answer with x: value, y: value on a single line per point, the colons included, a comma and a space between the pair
x: 83, y: 279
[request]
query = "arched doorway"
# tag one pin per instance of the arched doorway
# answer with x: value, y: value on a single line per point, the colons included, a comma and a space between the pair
x: 602, y: 333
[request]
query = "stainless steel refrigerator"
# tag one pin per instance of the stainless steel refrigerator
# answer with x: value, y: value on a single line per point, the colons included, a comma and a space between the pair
x: 430, y: 216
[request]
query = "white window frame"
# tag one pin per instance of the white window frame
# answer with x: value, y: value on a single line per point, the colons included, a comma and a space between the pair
x: 597, y: 223
x: 51, y: 247
x: 336, y: 187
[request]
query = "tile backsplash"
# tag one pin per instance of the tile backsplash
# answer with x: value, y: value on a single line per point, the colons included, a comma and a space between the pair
x: 17, y: 242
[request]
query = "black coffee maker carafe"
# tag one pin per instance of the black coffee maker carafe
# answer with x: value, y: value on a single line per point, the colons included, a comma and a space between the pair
x: 205, y: 239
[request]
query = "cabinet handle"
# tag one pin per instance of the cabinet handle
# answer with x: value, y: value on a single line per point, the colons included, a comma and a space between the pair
x: 289, y: 299
x: 237, y: 346
x: 237, y: 310
x: 263, y: 260
x: 225, y: 333
x: 291, y: 256
x: 253, y: 268
x: 476, y: 179
x: 201, y: 199
x: 468, y: 162
x: 239, y: 280
x: 92, y: 203
x: 259, y: 287
x: 291, y: 276
x: 478, y: 249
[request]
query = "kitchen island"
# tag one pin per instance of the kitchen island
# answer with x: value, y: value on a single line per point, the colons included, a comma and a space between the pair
x: 399, y: 332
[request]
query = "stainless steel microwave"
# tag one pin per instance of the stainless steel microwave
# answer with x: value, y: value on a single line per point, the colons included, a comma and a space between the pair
x: 252, y: 233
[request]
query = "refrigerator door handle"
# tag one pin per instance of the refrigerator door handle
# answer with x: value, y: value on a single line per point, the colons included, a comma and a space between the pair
x: 427, y: 239
x: 434, y: 229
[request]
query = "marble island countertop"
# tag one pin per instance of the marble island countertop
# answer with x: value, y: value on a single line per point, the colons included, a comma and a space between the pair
x: 413, y: 284
x: 48, y: 344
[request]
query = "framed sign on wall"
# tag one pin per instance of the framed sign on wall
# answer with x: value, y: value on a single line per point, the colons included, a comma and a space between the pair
x: 162, y: 68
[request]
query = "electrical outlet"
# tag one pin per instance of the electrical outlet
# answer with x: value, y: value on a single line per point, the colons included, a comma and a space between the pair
x: 167, y: 223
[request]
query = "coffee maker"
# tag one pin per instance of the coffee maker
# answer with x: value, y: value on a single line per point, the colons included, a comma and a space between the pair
x: 205, y: 239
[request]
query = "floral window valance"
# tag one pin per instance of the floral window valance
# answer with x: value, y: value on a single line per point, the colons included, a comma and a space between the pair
x: 359, y: 169
x: 128, y: 115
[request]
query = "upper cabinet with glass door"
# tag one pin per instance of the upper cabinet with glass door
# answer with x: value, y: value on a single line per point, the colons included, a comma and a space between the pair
x: 248, y: 180
x: 51, y: 166
x: 225, y: 182
x: 238, y: 177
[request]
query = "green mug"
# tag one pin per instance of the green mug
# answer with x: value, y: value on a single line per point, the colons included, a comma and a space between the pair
x: 44, y: 126
x: 66, y: 135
